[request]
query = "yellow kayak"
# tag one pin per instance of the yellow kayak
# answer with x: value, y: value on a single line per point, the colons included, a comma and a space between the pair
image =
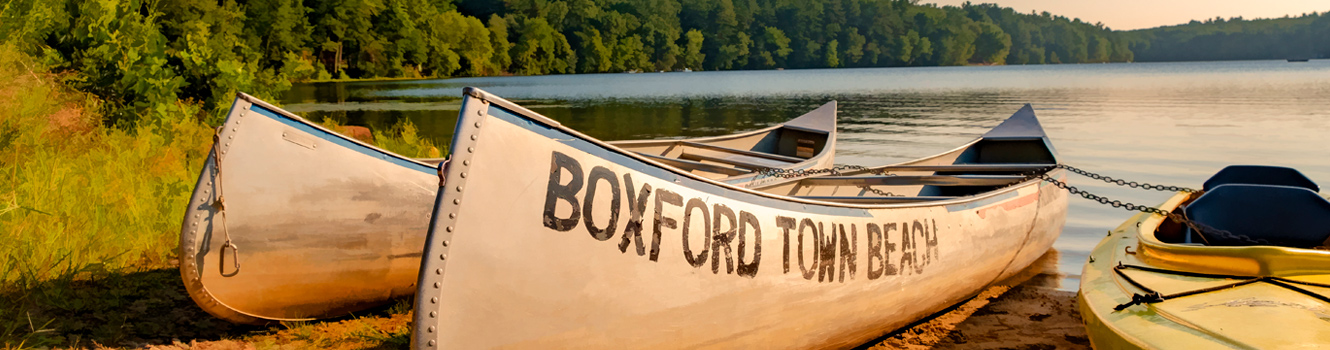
x: 1254, y: 274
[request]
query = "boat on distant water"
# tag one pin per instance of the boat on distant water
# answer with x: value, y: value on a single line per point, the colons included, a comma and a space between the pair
x: 543, y: 237
x: 1253, y: 274
x: 1299, y: 59
x: 297, y: 222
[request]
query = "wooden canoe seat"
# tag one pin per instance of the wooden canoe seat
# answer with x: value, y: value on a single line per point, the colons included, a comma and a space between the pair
x: 904, y: 180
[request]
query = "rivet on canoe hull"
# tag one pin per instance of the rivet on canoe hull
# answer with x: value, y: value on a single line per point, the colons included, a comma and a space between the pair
x: 432, y: 314
x: 459, y: 188
x: 443, y: 256
x: 450, y: 228
x: 430, y: 329
x: 457, y: 201
x: 431, y: 343
x: 463, y: 175
x: 445, y: 243
x: 438, y: 272
x: 479, y: 113
x: 433, y: 300
x: 451, y: 216
x: 468, y: 149
x: 473, y: 137
x: 436, y: 284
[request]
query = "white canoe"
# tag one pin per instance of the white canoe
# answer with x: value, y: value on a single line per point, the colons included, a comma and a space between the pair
x: 326, y: 225
x: 546, y: 238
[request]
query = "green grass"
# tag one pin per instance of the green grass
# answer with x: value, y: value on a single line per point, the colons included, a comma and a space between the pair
x: 90, y: 219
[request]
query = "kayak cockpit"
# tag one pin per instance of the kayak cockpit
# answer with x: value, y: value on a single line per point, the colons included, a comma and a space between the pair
x: 1245, y: 205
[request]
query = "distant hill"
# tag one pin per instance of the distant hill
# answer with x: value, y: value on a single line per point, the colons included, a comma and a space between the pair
x: 1306, y: 36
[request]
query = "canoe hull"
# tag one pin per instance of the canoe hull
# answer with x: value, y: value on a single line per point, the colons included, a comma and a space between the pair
x: 323, y: 225
x: 511, y: 263
x: 326, y: 225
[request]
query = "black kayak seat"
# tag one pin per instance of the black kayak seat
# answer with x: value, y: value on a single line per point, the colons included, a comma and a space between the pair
x: 1260, y: 175
x: 1262, y: 215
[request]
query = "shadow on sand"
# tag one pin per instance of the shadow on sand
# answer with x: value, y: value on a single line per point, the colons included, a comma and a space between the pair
x: 128, y: 310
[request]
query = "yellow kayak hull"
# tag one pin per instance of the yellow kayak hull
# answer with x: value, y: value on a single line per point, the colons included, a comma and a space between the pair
x: 1270, y: 299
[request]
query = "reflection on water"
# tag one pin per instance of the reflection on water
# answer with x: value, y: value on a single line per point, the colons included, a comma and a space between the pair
x: 1170, y: 123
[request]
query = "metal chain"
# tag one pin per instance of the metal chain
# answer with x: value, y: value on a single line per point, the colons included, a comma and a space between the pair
x: 834, y: 171
x: 1120, y: 182
x: 1175, y: 217
x: 793, y: 173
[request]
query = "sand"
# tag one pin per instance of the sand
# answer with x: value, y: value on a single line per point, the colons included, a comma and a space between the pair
x: 1026, y: 311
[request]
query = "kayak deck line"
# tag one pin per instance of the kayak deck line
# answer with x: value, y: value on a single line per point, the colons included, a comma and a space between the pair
x: 1151, y: 296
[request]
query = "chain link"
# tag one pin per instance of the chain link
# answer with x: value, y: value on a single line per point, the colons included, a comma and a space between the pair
x: 1120, y: 182
x: 1202, y: 229
x: 834, y: 171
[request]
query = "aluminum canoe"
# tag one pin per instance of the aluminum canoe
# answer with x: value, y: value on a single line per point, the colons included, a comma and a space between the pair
x: 1156, y: 284
x: 546, y: 238
x: 321, y: 225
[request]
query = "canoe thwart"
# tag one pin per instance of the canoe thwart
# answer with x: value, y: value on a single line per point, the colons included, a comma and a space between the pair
x: 878, y: 200
x: 695, y: 165
x: 967, y: 167
x: 771, y: 156
x: 935, y: 180
x: 727, y: 160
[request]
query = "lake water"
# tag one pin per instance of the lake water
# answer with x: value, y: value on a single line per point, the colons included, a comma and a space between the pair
x: 1166, y: 123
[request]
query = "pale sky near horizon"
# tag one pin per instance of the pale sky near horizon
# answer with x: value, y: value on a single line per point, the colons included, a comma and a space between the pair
x: 1137, y: 14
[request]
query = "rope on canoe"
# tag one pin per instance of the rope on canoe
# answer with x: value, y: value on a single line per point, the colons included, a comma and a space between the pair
x: 1151, y: 296
x: 220, y: 204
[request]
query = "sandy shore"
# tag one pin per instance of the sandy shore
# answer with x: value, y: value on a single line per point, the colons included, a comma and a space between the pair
x: 1026, y: 311
x: 1001, y: 317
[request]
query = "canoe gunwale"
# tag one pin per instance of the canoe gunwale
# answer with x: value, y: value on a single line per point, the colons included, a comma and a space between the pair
x: 499, y: 102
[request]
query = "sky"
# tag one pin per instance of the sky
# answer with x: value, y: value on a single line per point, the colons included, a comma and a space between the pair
x: 1137, y: 14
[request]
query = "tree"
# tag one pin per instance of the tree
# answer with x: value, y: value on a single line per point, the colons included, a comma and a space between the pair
x: 832, y: 58
x: 992, y: 45
x: 500, y: 59
x: 693, y: 56
x: 541, y: 50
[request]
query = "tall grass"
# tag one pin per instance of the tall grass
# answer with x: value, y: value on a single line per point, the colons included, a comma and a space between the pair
x: 90, y: 214
x: 77, y: 197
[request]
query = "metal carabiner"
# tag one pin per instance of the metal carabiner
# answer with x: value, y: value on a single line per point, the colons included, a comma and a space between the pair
x: 235, y: 254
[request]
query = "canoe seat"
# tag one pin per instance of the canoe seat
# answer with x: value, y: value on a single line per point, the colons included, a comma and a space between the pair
x: 1263, y: 215
x: 1260, y: 175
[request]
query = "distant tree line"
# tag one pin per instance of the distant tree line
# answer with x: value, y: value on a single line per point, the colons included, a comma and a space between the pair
x: 1305, y: 36
x: 143, y: 56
